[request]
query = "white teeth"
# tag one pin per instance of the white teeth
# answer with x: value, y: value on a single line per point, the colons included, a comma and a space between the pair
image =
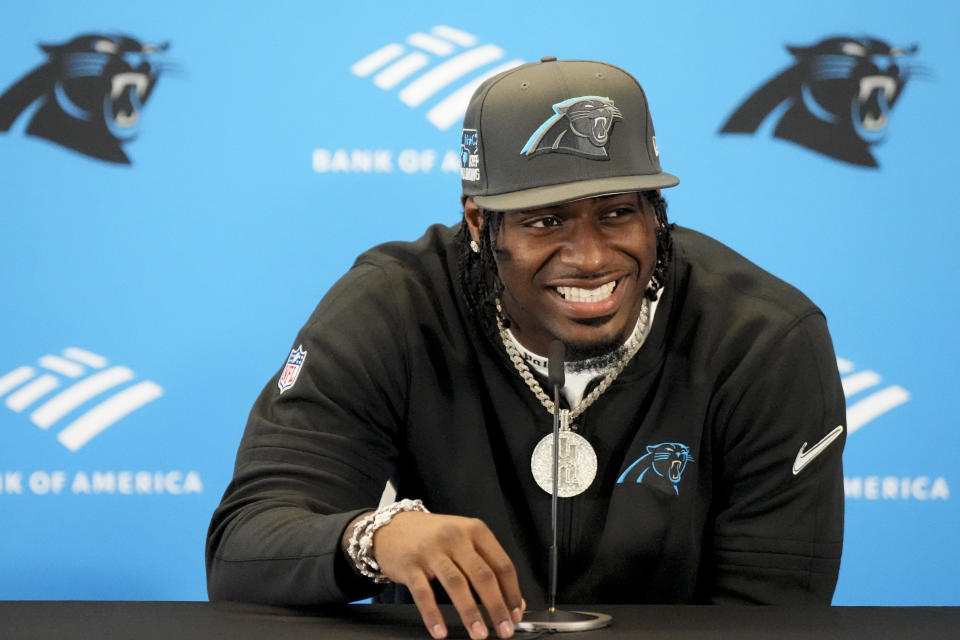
x: 576, y: 294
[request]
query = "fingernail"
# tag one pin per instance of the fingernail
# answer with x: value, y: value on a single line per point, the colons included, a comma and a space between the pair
x: 506, y: 629
x: 517, y: 615
x: 438, y: 631
x: 478, y: 630
x: 523, y: 604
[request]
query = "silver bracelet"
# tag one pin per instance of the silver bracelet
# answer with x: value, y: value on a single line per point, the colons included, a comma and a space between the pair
x: 360, y: 549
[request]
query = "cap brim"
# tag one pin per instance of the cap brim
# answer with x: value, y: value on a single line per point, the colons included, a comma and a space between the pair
x: 559, y: 193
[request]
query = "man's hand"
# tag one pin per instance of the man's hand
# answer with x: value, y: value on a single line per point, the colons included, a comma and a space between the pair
x: 460, y: 553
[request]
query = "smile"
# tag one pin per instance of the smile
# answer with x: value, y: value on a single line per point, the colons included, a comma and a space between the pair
x: 577, y: 294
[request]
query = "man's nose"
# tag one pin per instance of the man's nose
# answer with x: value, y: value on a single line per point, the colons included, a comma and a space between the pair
x: 586, y: 248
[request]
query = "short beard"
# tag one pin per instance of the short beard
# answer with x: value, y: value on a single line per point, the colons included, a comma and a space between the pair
x: 593, y: 356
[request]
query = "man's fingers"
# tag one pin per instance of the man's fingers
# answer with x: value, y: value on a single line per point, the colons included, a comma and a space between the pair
x: 466, y: 566
x: 457, y: 586
x: 487, y: 585
x: 426, y: 603
x: 463, y: 555
x: 506, y: 574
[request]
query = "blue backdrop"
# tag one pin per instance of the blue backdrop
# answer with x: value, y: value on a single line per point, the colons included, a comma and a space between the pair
x: 147, y: 296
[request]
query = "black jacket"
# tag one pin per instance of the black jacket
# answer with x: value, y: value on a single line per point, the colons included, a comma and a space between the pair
x: 399, y: 381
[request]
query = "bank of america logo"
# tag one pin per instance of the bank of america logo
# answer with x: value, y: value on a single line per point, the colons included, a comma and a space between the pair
x: 438, y: 71
x: 28, y: 388
x: 867, y: 398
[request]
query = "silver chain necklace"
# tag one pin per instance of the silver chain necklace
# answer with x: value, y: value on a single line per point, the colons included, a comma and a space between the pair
x: 577, y: 460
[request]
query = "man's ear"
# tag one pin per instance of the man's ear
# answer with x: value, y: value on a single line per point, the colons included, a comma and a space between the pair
x: 473, y: 217
x: 648, y: 208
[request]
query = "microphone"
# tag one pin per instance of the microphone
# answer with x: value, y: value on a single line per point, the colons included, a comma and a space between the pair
x: 556, y: 354
x: 555, y: 378
x: 552, y: 619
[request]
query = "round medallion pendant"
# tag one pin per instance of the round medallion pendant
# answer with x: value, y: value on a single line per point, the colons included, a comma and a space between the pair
x: 577, y: 464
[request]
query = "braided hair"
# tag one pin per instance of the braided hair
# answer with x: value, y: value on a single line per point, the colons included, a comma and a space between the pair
x: 480, y: 279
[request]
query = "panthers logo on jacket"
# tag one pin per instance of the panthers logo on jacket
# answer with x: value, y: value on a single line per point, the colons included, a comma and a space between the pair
x: 835, y: 99
x: 666, y: 461
x: 88, y: 95
x: 580, y: 126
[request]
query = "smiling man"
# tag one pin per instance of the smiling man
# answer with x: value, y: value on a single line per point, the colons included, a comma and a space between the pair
x: 702, y: 414
x: 575, y: 271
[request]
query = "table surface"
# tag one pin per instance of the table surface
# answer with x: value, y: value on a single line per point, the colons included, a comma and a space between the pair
x: 42, y: 620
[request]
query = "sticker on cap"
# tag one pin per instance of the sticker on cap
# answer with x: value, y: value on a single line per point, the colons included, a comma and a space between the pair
x: 580, y: 126
x: 290, y: 372
x: 470, y: 156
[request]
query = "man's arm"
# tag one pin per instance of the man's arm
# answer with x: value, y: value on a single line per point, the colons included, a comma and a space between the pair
x: 315, y: 458
x: 778, y: 525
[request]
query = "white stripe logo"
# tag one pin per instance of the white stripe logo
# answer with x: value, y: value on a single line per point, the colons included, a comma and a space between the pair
x: 875, y: 403
x: 806, y: 457
x: 26, y: 387
x: 429, y: 66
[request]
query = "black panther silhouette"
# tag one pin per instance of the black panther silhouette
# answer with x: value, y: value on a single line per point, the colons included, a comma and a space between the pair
x: 580, y: 126
x: 90, y: 92
x: 834, y: 100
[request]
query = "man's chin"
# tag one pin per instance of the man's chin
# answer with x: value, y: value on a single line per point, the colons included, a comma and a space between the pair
x: 600, y: 346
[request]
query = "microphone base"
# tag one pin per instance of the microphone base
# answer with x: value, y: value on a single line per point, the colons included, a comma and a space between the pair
x: 561, y: 621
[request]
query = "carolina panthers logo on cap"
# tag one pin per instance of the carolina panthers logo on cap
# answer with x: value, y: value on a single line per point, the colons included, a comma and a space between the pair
x: 667, y: 460
x: 580, y: 126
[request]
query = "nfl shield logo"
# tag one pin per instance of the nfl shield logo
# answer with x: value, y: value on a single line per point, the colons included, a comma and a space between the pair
x: 292, y: 370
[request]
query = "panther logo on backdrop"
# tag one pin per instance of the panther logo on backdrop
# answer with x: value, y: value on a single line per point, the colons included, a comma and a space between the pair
x: 835, y: 99
x: 89, y: 378
x: 88, y: 95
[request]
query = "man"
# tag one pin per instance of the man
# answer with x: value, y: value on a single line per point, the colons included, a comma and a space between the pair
x: 702, y: 411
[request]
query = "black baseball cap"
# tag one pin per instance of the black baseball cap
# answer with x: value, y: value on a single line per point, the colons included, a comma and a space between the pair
x: 558, y: 130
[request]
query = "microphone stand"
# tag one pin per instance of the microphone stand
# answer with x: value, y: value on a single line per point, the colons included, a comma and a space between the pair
x: 553, y: 619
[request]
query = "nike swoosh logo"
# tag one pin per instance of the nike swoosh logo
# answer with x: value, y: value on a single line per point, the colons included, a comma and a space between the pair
x: 806, y: 457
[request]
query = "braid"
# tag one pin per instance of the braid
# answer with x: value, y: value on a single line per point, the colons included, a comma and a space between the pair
x: 664, y: 244
x: 478, y: 273
x: 481, y: 282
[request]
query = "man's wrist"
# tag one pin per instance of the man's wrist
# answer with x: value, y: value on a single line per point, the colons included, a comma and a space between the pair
x: 347, y: 533
x: 359, y: 546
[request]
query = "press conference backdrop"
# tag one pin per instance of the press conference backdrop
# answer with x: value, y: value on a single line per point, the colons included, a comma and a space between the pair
x: 182, y: 182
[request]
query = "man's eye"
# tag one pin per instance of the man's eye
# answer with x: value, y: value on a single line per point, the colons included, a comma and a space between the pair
x: 541, y: 223
x: 619, y: 213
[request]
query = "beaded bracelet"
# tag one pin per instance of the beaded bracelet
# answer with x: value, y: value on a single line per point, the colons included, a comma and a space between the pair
x: 360, y: 549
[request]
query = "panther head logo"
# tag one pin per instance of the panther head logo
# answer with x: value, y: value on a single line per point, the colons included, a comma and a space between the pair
x: 667, y: 460
x: 88, y: 95
x: 580, y: 126
x: 835, y: 99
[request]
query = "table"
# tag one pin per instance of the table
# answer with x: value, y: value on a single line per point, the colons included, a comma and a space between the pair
x: 47, y: 620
